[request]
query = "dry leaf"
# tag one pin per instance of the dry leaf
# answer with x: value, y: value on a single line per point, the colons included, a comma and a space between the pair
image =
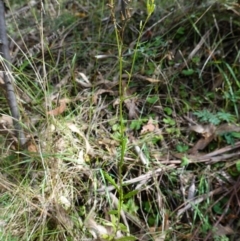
x: 61, y: 108
x: 100, y: 80
x: 2, y: 79
x: 75, y: 129
x: 102, y: 232
x: 223, y: 230
x: 32, y: 147
x: 141, y: 155
x: 201, y: 144
x: 149, y: 127
x: 99, y: 92
x: 208, y: 133
x: 151, y: 80
x: 6, y: 125
x: 191, y: 190
x: 226, y: 128
x: 82, y: 79
x: 132, y: 109
x: 116, y: 102
x: 95, y: 229
x: 204, y: 129
x: 80, y: 160
x: 110, y: 144
x: 104, y: 56
x: 63, y: 217
x: 6, y: 120
x: 61, y: 144
x: 131, y: 106
x: 208, y: 130
x: 65, y: 203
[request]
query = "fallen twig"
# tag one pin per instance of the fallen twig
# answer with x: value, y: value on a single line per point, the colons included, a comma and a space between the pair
x: 6, y: 63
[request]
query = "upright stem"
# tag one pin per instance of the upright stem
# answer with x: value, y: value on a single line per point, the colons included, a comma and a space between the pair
x: 6, y: 63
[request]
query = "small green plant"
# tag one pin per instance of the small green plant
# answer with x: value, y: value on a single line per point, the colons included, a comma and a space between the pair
x: 188, y: 72
x: 130, y: 206
x: 206, y: 116
x: 169, y: 121
x: 171, y: 127
x: 152, y: 99
x: 123, y: 139
x: 137, y: 124
x: 168, y: 110
x: 181, y: 31
x: 231, y: 137
x: 181, y: 147
x: 185, y: 161
x: 220, y: 238
x: 149, y: 209
x: 219, y: 207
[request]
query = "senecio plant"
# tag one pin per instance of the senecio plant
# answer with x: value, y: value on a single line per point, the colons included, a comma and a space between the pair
x: 123, y: 138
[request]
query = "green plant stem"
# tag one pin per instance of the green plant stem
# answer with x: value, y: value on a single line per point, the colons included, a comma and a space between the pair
x: 122, y: 90
x: 136, y: 48
x: 122, y: 125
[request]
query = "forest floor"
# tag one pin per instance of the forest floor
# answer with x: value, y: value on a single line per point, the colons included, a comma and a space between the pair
x: 131, y: 114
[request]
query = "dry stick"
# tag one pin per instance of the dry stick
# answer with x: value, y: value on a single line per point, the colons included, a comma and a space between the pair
x: 190, y: 203
x: 10, y: 94
x: 223, y: 150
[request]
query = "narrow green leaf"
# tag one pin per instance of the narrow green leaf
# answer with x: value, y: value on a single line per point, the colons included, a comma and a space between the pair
x: 136, y: 124
x: 217, y: 208
x: 113, y: 212
x: 185, y: 161
x: 236, y: 135
x: 110, y: 179
x: 152, y: 100
x: 130, y: 194
x: 182, y: 148
x: 168, y: 110
x: 188, y: 72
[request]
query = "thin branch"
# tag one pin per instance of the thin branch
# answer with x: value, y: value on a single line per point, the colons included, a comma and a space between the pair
x: 6, y: 63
